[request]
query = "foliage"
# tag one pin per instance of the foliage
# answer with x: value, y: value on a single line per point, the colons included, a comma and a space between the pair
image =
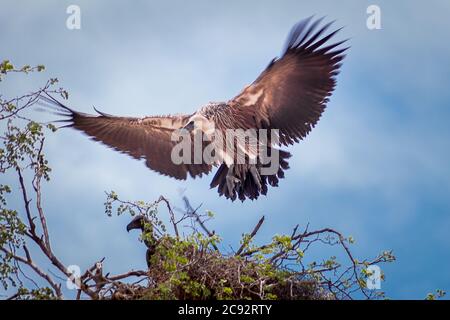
x: 192, y: 267
x: 437, y: 295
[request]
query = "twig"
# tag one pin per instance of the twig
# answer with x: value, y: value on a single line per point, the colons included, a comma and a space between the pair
x: 194, y: 213
x: 28, y: 261
x: 26, y: 201
x: 37, y: 188
x: 137, y: 273
x: 172, y: 216
x: 255, y: 230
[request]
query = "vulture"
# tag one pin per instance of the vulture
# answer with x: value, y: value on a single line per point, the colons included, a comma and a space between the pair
x: 287, y: 99
x: 139, y: 222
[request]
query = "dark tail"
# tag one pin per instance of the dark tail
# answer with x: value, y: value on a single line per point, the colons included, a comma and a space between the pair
x: 242, y: 183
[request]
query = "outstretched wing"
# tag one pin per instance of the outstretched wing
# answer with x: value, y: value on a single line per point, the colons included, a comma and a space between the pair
x: 146, y: 138
x: 291, y: 94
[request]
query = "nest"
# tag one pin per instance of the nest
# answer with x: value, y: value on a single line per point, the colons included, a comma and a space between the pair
x: 202, y: 274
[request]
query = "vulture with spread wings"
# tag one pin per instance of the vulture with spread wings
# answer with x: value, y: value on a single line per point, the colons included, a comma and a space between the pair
x: 288, y: 96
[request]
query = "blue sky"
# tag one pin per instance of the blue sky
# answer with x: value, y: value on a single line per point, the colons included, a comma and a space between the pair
x: 375, y: 167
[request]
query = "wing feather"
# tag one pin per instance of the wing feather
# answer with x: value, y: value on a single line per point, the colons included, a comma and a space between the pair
x: 292, y: 92
x: 147, y: 138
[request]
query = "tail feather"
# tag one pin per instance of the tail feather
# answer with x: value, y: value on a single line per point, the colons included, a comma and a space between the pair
x: 219, y: 176
x: 246, y: 187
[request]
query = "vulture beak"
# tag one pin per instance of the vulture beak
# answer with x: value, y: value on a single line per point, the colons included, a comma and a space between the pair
x: 190, y: 126
x: 136, y: 223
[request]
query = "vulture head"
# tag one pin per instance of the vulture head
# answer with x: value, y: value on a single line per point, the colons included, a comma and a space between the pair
x: 137, y: 223
x: 200, y: 123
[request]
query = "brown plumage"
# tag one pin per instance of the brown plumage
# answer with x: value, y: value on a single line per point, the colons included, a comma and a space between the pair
x: 289, y: 95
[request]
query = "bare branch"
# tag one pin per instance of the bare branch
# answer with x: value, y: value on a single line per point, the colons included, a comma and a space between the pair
x: 37, y: 188
x: 26, y: 201
x: 252, y: 235
x: 172, y: 215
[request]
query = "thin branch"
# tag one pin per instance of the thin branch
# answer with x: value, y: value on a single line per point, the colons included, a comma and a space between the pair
x: 28, y: 261
x: 37, y: 188
x: 252, y: 235
x: 172, y: 215
x: 26, y: 201
x: 137, y: 273
x: 194, y: 213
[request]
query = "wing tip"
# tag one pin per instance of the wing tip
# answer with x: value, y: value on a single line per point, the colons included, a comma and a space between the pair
x: 304, y: 37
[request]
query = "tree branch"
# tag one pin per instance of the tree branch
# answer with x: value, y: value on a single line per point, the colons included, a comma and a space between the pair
x: 252, y: 235
x: 29, y: 262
